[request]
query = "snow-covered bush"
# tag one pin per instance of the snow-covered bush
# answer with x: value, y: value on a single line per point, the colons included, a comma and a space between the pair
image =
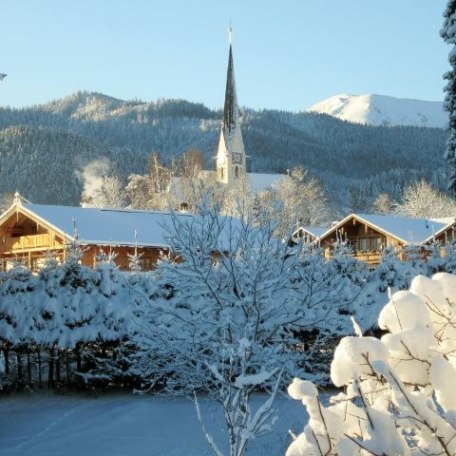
x: 61, y: 318
x: 441, y: 259
x: 399, y: 393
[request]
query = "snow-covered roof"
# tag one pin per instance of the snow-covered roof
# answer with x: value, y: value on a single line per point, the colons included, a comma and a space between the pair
x: 410, y: 230
x: 259, y: 182
x: 445, y: 220
x: 314, y: 231
x: 109, y: 226
x: 406, y: 229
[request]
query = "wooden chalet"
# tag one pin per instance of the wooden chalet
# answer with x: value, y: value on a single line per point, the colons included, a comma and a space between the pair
x: 30, y: 232
x: 369, y: 235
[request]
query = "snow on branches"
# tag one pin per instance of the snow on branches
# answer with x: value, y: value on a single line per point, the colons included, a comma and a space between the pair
x: 231, y: 315
x: 399, y: 395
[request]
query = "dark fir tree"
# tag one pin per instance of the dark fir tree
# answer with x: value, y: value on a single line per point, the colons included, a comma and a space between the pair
x: 448, y: 33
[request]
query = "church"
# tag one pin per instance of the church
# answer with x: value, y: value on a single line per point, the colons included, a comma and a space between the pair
x: 231, y: 159
x: 230, y: 171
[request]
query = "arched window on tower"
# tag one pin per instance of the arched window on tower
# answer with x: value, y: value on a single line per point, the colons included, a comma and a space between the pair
x: 236, y: 172
x: 221, y: 173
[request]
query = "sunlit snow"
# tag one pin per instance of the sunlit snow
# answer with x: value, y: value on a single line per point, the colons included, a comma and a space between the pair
x: 383, y: 110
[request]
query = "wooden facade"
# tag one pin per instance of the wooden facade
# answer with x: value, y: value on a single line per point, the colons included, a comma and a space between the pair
x: 28, y: 239
x: 367, y: 242
x: 368, y: 236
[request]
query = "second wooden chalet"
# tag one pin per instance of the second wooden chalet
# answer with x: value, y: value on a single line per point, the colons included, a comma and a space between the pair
x: 370, y: 234
x: 30, y: 232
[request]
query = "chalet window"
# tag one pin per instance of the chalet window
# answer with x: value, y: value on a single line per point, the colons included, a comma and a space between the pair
x: 369, y: 244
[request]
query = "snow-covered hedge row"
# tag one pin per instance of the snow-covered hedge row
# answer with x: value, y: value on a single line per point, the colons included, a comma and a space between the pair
x: 67, y: 319
x: 65, y: 305
x: 89, y: 319
x: 95, y: 316
x: 399, y: 392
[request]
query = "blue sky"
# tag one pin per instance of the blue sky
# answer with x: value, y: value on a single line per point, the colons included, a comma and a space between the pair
x: 288, y: 54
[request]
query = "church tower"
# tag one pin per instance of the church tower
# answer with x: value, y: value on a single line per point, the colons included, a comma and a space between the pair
x: 231, y: 160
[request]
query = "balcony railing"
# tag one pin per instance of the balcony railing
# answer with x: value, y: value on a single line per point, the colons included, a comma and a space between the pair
x: 368, y: 257
x: 373, y: 257
x: 29, y: 242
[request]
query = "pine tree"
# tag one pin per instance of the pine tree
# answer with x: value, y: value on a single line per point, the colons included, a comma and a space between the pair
x: 448, y: 33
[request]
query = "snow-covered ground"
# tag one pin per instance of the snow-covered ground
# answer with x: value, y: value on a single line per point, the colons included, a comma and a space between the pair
x: 124, y: 425
x: 383, y: 110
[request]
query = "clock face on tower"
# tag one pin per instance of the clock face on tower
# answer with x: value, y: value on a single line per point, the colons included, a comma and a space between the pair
x: 237, y: 158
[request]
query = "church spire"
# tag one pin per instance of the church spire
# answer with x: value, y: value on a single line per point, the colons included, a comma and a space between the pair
x: 230, y: 111
x: 231, y: 164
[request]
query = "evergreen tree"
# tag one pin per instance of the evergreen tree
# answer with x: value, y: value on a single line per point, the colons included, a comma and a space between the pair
x: 448, y: 33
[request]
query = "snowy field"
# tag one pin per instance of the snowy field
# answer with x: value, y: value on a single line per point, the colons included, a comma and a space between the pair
x: 124, y: 425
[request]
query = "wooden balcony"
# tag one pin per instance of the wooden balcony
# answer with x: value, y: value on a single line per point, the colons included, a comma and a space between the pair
x: 30, y: 242
x: 368, y: 257
x: 374, y: 257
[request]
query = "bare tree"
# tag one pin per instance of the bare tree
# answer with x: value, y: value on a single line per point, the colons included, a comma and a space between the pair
x: 421, y: 200
x: 111, y: 193
x: 383, y: 204
x: 191, y: 163
x: 299, y: 200
x: 160, y: 175
x: 152, y: 191
x: 228, y: 323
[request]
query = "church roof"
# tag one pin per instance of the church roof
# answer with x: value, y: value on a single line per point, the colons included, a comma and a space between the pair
x: 230, y: 111
x: 259, y: 182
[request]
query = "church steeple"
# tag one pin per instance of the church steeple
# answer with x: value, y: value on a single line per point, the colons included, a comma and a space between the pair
x: 231, y: 166
x: 230, y: 111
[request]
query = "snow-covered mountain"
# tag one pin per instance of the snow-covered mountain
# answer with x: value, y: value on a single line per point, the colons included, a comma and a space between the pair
x: 383, y: 110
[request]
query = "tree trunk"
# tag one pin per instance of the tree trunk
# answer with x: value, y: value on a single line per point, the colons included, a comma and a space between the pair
x: 6, y: 356
x: 51, y: 369
x: 29, y: 367
x: 67, y: 367
x: 40, y: 379
x: 19, y: 368
x: 78, y: 358
x: 57, y: 367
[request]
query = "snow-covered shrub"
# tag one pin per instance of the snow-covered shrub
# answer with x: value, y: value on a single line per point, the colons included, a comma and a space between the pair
x: 399, y: 396
x: 63, y: 318
x: 346, y: 265
x: 393, y: 273
x: 450, y: 257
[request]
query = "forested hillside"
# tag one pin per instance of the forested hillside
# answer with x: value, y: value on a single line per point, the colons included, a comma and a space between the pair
x: 44, y: 148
